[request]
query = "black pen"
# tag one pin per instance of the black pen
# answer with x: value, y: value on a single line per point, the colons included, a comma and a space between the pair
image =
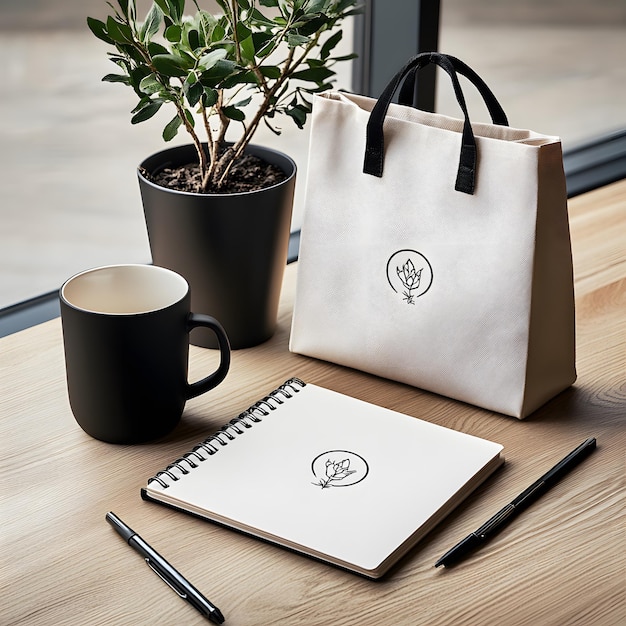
x: 165, y: 571
x: 494, y: 524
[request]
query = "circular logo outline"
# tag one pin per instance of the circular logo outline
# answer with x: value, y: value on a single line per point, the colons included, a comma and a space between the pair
x: 410, y: 274
x: 337, y: 472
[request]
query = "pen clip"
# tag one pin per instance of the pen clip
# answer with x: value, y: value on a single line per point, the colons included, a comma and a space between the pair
x: 167, y: 582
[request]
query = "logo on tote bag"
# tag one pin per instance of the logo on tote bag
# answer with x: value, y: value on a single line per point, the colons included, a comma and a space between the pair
x: 410, y: 274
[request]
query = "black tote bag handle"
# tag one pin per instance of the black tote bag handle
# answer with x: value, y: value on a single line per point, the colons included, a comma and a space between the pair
x: 375, y: 142
x: 407, y: 91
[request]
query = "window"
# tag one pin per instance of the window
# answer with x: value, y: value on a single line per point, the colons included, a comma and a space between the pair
x: 69, y: 198
x: 556, y: 67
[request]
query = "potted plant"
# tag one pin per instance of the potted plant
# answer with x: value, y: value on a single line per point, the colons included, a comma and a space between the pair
x: 219, y: 211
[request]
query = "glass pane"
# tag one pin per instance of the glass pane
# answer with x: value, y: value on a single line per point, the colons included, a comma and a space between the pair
x: 556, y: 67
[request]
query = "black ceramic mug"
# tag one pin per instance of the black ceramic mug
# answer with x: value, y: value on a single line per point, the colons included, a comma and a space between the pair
x: 126, y: 337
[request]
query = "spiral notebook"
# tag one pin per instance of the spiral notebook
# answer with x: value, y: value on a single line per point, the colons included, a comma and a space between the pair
x: 327, y: 475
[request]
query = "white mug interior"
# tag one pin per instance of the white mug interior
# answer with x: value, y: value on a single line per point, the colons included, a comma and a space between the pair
x: 124, y: 289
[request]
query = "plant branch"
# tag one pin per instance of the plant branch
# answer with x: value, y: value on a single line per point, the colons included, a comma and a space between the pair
x: 234, y: 16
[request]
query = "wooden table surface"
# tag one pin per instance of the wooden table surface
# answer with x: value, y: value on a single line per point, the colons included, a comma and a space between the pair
x: 563, y: 561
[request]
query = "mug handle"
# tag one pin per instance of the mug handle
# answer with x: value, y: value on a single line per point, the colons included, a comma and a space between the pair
x: 212, y: 380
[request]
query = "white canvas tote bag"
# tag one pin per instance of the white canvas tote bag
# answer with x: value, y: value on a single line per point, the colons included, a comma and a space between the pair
x: 436, y: 252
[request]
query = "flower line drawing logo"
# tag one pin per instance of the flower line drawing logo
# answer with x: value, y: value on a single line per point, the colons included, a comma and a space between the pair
x: 338, y: 468
x: 335, y: 470
x: 410, y: 278
x: 409, y: 274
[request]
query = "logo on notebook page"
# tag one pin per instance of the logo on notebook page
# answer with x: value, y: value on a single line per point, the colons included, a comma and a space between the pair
x: 409, y: 273
x: 339, y: 468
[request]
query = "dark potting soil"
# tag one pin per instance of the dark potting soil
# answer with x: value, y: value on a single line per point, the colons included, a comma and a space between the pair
x: 249, y: 173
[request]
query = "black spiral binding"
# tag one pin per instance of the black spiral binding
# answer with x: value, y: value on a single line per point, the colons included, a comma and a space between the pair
x: 228, y: 432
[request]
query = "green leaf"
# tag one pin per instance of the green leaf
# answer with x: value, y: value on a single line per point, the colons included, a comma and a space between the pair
x: 240, y: 78
x: 247, y: 48
x: 118, y: 59
x: 246, y: 43
x: 320, y: 88
x: 156, y: 48
x: 144, y: 101
x: 171, y: 130
x: 222, y: 69
x: 176, y: 9
x: 170, y: 64
x: 206, y: 24
x: 116, y: 78
x: 190, y: 118
x: 137, y: 74
x: 150, y: 85
x: 316, y: 6
x: 173, y: 33
x: 261, y: 38
x: 342, y: 5
x: 330, y: 43
x: 99, y: 29
x: 172, y: 9
x: 243, y: 103
x: 210, y: 97
x: 180, y: 8
x: 294, y: 40
x: 233, y: 113
x: 218, y: 33
x: 164, y: 6
x: 119, y: 32
x: 131, y: 51
x: 346, y: 57
x: 152, y: 23
x: 268, y: 3
x: 314, y: 74
x: 276, y: 131
x: 211, y: 59
x: 311, y: 26
x: 124, y: 6
x: 193, y: 39
x: 267, y: 49
x: 260, y: 19
x: 242, y: 31
x: 193, y: 93
x: 146, y: 112
x: 270, y: 71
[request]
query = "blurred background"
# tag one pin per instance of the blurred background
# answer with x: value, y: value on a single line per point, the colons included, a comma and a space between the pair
x: 69, y: 198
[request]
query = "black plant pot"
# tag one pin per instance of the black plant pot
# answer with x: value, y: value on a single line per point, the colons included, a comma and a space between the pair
x: 231, y: 248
